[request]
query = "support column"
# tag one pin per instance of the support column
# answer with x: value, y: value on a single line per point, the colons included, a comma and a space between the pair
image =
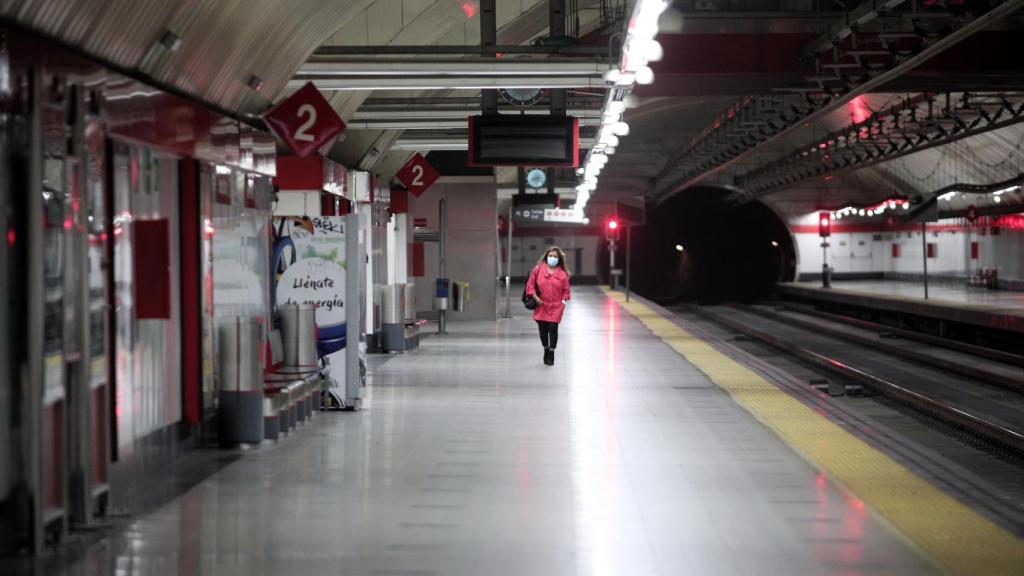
x: 353, y: 306
x: 442, y: 268
x: 32, y: 371
x: 629, y: 228
x: 924, y: 256
x: 489, y: 38
x: 79, y: 398
x: 508, y: 258
x: 556, y: 31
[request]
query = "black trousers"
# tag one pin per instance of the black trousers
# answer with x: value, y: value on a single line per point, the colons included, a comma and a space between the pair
x: 548, y: 333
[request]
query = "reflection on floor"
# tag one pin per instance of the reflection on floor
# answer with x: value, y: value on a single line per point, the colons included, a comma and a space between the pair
x: 472, y: 457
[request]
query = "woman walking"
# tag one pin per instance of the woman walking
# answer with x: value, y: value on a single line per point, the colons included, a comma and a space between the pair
x: 549, y: 286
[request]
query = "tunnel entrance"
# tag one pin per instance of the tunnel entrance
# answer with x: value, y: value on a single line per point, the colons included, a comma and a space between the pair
x: 701, y: 247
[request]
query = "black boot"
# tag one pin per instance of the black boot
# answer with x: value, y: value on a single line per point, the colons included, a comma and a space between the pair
x: 552, y: 353
x: 549, y: 357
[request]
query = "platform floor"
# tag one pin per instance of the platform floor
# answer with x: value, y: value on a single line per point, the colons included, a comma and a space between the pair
x: 938, y: 292
x: 472, y: 457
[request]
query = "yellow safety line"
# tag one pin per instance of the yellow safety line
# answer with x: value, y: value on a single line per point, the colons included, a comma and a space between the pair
x: 957, y: 537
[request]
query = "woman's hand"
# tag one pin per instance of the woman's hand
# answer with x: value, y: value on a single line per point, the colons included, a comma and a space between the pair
x: 537, y: 298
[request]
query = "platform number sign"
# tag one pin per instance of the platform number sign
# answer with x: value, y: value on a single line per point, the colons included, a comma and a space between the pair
x: 305, y: 121
x: 417, y: 175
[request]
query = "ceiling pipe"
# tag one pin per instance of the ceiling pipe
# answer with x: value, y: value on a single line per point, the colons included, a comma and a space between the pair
x: 458, y: 113
x: 400, y: 123
x: 426, y: 103
x: 601, y: 51
x: 330, y: 84
x: 321, y: 67
x: 454, y: 143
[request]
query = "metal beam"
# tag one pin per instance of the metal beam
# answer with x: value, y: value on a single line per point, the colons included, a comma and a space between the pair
x: 850, y: 22
x: 601, y: 51
x: 747, y: 127
x: 451, y: 82
x: 916, y: 124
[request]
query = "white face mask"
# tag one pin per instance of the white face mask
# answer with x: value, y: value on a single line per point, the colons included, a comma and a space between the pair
x: 552, y: 261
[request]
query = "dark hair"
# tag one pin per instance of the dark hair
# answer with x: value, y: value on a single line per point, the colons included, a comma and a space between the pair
x: 561, y: 258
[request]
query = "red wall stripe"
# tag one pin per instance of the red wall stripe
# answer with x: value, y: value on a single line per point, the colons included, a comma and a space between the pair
x: 152, y: 266
x: 294, y: 173
x: 838, y: 228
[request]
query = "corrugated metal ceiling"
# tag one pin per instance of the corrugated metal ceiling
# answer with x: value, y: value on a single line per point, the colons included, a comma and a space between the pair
x: 222, y: 42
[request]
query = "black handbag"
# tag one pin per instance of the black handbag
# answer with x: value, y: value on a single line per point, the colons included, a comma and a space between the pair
x: 529, y: 301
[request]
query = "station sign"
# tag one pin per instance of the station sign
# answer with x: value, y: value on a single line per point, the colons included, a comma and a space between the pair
x: 305, y: 121
x: 529, y: 213
x: 417, y: 175
x: 562, y: 215
x: 545, y: 214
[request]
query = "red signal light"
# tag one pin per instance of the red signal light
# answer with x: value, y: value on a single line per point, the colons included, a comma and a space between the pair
x: 824, y: 224
x: 611, y: 232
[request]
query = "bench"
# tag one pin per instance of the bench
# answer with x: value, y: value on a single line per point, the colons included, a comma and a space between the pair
x: 290, y: 393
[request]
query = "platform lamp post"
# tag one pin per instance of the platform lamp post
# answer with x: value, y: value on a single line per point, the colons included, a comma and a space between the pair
x: 825, y: 230
x: 628, y: 258
x: 628, y: 215
x: 611, y: 234
x: 924, y: 257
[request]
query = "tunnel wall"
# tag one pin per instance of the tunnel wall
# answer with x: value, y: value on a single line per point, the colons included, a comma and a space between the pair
x: 702, y: 246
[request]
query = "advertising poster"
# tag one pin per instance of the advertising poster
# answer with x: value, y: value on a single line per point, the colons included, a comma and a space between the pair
x: 309, y: 268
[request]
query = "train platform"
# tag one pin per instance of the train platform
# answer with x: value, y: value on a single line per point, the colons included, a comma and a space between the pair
x: 1003, y: 309
x: 644, y: 450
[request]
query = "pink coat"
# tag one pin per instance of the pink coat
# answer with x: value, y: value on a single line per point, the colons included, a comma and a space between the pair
x: 554, y: 287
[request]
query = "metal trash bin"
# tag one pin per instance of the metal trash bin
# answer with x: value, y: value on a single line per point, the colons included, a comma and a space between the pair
x: 441, y: 291
x: 410, y: 303
x: 460, y: 296
x: 393, y: 304
x: 298, y: 333
x: 241, y: 381
x: 393, y: 318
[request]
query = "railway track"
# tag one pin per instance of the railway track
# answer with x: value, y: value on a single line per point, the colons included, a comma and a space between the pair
x: 973, y: 392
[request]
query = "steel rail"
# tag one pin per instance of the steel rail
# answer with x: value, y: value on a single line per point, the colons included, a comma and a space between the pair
x: 977, y: 425
x: 994, y: 378
x: 956, y: 346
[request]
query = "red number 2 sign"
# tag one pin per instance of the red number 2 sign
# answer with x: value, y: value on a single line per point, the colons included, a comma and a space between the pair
x: 417, y: 175
x: 305, y: 121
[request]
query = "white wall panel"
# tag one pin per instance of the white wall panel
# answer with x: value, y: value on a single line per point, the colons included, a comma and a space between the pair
x: 872, y: 252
